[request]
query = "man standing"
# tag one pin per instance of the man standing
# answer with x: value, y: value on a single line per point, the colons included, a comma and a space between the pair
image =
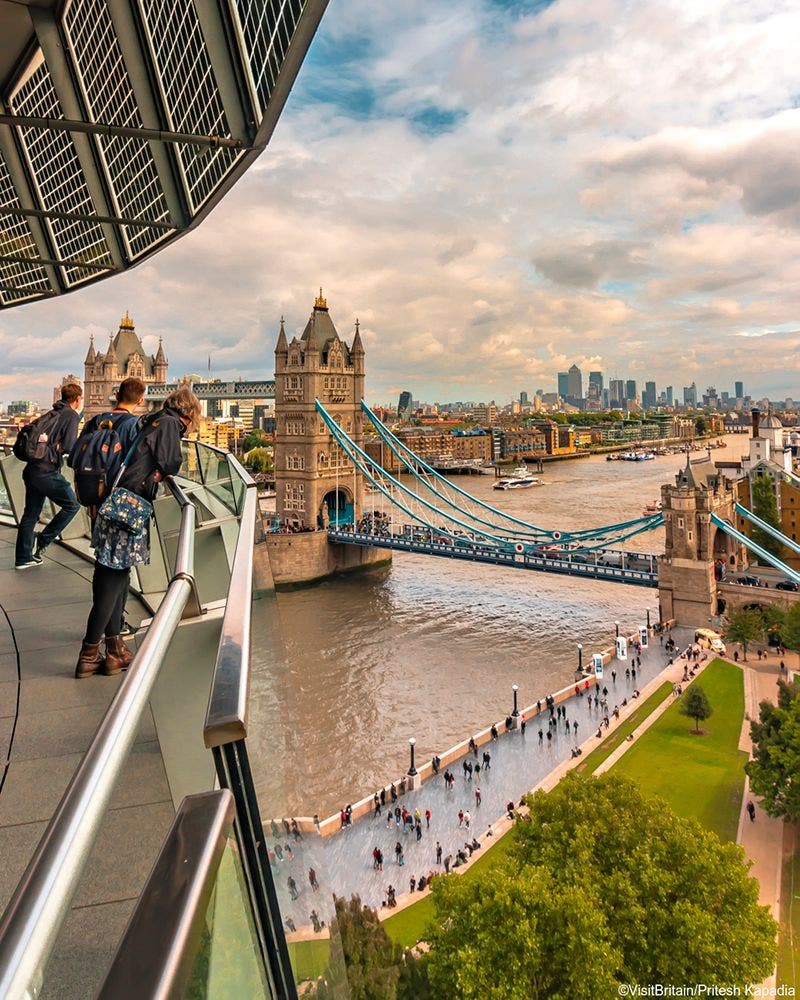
x: 43, y: 481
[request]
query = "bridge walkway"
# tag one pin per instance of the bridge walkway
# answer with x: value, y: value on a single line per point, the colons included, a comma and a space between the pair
x: 47, y: 720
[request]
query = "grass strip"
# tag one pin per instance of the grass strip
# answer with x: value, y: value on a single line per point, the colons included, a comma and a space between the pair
x: 789, y: 934
x: 700, y: 776
x: 604, y: 750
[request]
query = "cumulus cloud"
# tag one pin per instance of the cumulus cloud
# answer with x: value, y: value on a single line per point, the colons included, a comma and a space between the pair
x: 495, y: 190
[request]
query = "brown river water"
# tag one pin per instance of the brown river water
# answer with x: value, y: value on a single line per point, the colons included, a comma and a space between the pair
x: 346, y: 671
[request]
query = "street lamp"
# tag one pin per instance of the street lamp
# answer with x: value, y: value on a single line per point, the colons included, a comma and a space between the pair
x: 412, y: 770
x: 648, y: 619
x: 616, y: 626
x: 580, y: 658
x: 515, y: 688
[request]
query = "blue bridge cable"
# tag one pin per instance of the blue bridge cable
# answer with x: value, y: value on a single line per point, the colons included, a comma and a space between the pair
x: 754, y: 547
x: 350, y: 447
x: 768, y: 528
x: 648, y: 523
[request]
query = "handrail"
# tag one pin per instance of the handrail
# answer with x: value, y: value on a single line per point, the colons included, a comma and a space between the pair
x: 227, y: 711
x: 156, y: 954
x: 31, y: 923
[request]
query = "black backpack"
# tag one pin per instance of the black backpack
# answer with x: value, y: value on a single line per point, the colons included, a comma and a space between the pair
x: 33, y: 440
x: 97, y: 457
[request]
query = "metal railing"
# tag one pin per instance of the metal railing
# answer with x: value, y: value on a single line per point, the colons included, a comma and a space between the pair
x: 32, y: 921
x: 225, y: 733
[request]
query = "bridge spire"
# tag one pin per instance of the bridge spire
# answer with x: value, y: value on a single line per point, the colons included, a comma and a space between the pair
x: 282, y: 347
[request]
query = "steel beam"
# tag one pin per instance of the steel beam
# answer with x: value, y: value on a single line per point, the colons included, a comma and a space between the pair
x: 40, y: 213
x: 102, y: 128
x: 233, y: 90
x: 16, y: 258
x: 31, y: 292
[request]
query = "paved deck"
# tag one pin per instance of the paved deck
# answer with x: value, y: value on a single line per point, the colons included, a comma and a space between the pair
x: 343, y: 862
x: 47, y: 720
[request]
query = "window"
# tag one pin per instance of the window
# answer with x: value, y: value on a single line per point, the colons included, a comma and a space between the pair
x: 295, y: 462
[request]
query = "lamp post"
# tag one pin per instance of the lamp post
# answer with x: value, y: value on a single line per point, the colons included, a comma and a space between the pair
x: 515, y: 688
x: 616, y: 626
x: 412, y: 771
x: 580, y: 658
x: 648, y: 619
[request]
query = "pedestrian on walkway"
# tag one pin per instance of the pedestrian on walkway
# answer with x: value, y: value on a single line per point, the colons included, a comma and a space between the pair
x: 393, y: 792
x: 428, y: 818
x: 541, y: 737
x: 613, y: 677
x: 575, y: 728
x: 290, y: 882
x: 751, y: 811
x: 447, y: 862
x: 467, y: 818
x: 477, y: 796
x: 412, y: 883
x: 312, y: 880
x: 522, y: 725
x: 377, y: 803
x: 493, y: 731
x: 418, y: 827
x: 460, y: 816
x: 296, y: 830
x: 43, y: 480
x: 438, y: 853
x: 398, y: 851
x: 487, y: 760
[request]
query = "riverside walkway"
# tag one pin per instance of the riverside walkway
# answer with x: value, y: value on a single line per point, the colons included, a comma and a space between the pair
x: 343, y: 861
x: 47, y: 720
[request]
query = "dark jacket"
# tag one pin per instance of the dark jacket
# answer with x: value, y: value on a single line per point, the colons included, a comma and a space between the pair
x: 158, y: 450
x: 62, y: 438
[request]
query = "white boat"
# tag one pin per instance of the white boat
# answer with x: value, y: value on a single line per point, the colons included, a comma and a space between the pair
x: 520, y: 480
x: 654, y: 507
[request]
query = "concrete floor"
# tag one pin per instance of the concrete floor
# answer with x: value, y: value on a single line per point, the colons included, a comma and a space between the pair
x: 47, y: 720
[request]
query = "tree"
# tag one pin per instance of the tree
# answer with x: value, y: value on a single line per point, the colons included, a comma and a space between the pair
x: 776, y: 753
x: 696, y: 705
x: 255, y: 439
x: 376, y: 968
x: 259, y: 460
x: 701, y: 425
x: 602, y: 886
x: 765, y: 506
x: 790, y: 630
x: 746, y: 625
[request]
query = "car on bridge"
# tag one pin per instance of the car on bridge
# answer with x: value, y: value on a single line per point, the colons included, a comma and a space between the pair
x: 749, y: 581
x: 787, y: 585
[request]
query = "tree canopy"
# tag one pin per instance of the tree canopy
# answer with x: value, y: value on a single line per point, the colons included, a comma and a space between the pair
x: 602, y: 886
x: 790, y: 629
x: 259, y: 460
x: 746, y: 625
x: 695, y: 704
x: 775, y: 765
x: 765, y: 506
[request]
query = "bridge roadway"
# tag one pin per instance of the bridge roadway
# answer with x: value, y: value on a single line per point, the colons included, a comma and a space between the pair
x: 262, y: 389
x: 618, y: 566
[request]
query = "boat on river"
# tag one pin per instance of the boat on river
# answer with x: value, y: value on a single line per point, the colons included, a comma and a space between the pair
x: 522, y: 479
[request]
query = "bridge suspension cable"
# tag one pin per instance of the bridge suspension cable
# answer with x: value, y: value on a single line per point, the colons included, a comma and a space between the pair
x: 756, y: 548
x: 768, y: 528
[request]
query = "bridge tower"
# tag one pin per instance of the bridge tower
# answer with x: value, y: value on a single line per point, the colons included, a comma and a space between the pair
x: 695, y: 549
x: 315, y: 483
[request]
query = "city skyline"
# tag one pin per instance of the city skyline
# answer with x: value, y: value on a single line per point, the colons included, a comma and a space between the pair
x: 659, y: 232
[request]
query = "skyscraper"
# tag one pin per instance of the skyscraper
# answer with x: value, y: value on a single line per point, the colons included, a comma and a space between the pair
x: 523, y: 398
x: 649, y: 396
x: 596, y: 378
x: 630, y: 389
x: 690, y: 395
x: 738, y: 390
x: 616, y: 395
x: 405, y: 406
x: 670, y: 395
x: 575, y: 383
x: 563, y: 384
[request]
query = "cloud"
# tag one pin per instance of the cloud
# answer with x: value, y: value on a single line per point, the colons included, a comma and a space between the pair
x: 496, y: 190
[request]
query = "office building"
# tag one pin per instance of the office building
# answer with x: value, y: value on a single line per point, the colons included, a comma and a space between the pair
x: 738, y: 390
x: 690, y: 395
x: 523, y: 398
x: 405, y: 406
x: 649, y: 396
x: 669, y: 395
x: 616, y: 392
x: 596, y: 379
x: 630, y: 390
x: 563, y: 384
x: 575, y: 384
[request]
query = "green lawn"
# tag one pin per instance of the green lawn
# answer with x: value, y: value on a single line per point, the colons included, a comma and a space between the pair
x: 699, y: 776
x: 408, y: 926
x: 789, y: 936
x: 309, y: 958
x: 604, y: 750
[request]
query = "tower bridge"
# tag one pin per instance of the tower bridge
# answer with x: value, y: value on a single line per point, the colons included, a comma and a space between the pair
x: 322, y: 524
x: 216, y: 389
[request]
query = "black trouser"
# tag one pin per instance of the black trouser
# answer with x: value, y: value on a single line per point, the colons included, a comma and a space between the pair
x: 40, y: 486
x: 109, y: 593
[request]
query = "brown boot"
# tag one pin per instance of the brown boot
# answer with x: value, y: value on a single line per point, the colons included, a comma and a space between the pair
x: 118, y: 656
x: 89, y: 661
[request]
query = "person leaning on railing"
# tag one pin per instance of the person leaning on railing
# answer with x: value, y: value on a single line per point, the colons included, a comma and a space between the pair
x: 156, y: 456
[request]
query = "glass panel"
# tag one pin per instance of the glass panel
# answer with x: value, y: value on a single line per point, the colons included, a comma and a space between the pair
x: 239, y: 490
x: 217, y: 477
x: 190, y: 469
x: 228, y: 962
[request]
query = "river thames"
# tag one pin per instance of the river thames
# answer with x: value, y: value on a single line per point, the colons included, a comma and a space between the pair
x: 346, y: 671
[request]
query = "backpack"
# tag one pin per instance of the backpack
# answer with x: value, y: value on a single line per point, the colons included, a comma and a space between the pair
x: 33, y: 440
x: 96, y: 458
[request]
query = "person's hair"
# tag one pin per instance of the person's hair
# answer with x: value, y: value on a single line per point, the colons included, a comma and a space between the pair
x: 185, y: 402
x: 130, y: 390
x: 70, y: 392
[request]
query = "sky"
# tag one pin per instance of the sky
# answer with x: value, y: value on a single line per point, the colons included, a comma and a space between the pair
x: 496, y: 189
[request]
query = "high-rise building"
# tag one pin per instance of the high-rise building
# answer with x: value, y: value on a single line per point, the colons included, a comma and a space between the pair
x: 738, y: 390
x: 616, y: 392
x: 649, y: 396
x: 563, y: 384
x: 596, y: 378
x: 670, y: 395
x: 523, y: 398
x: 690, y: 395
x: 405, y: 406
x: 575, y: 383
x: 630, y: 389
